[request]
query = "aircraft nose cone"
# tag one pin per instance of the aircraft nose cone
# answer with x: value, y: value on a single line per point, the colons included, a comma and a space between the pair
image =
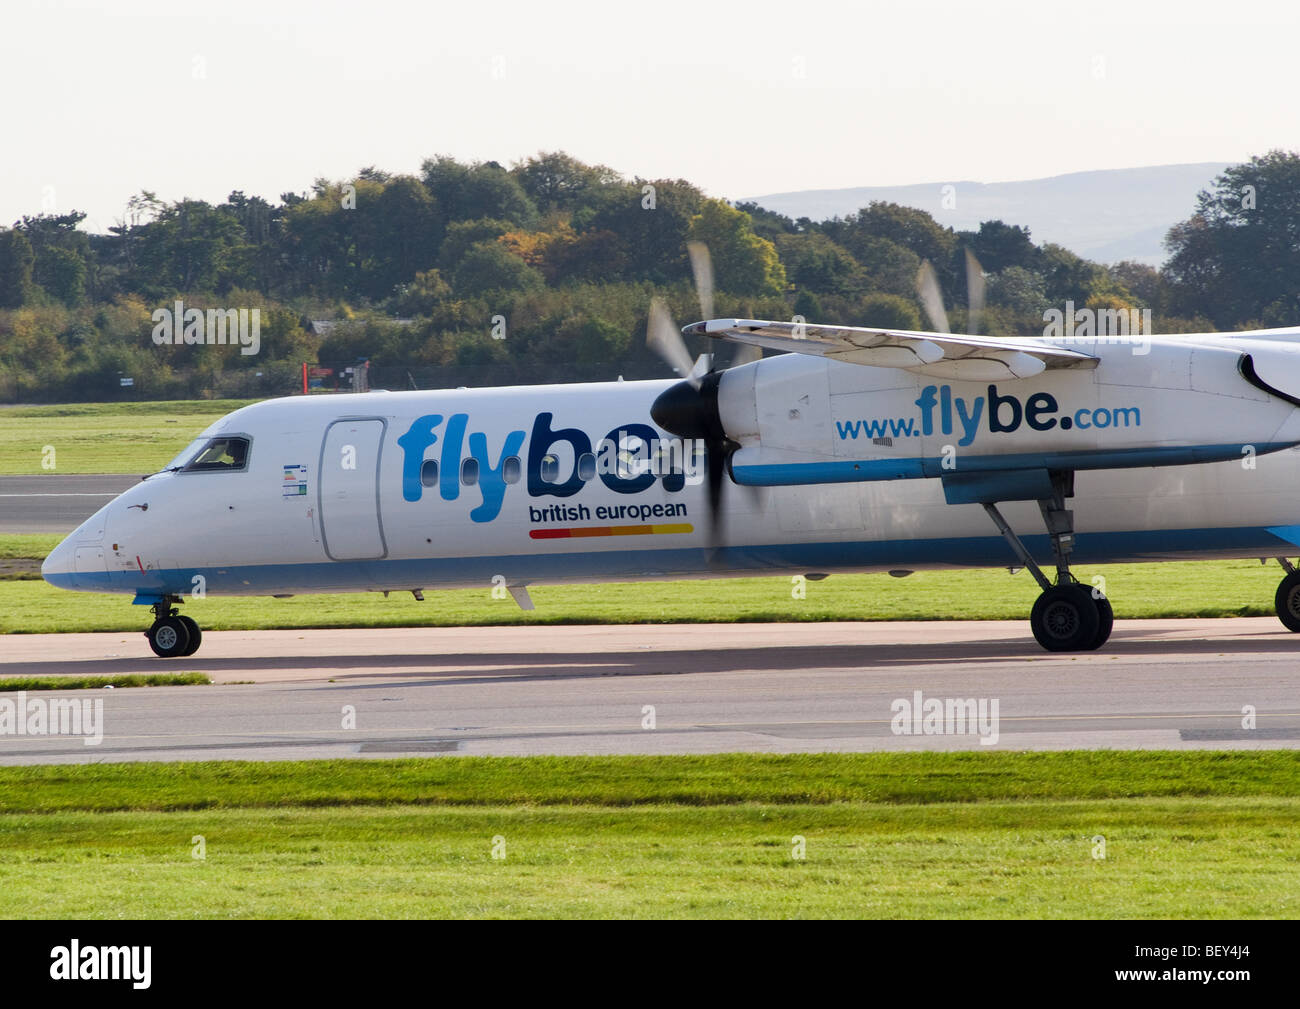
x: 59, y: 568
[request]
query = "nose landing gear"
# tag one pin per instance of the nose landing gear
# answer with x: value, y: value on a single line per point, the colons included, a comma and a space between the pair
x: 172, y: 635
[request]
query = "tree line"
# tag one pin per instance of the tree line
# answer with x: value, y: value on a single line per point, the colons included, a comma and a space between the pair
x: 543, y: 271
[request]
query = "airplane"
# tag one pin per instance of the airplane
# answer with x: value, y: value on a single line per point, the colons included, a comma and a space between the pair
x: 853, y: 449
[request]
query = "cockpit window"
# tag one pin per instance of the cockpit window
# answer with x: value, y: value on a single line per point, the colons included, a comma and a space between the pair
x: 220, y: 455
x: 185, y: 455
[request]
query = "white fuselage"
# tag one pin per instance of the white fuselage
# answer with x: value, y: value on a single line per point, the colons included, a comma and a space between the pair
x: 1175, y: 454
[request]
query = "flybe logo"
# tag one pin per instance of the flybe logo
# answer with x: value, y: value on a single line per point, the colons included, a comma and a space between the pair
x: 561, y: 461
x: 941, y: 410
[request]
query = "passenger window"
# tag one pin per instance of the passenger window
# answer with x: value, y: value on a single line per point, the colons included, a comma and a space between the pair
x: 220, y: 455
x: 586, y: 466
x: 512, y: 469
x: 469, y: 472
x: 429, y: 473
x: 550, y: 469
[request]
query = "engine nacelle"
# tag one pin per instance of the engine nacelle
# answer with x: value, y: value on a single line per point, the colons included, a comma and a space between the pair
x: 799, y: 419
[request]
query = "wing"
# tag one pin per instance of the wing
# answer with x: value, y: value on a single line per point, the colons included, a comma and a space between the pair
x: 974, y: 358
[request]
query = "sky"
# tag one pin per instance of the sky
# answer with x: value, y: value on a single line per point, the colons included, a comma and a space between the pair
x: 195, y: 98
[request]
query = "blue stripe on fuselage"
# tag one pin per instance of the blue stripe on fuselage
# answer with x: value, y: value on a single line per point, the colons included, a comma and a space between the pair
x: 916, y: 467
x: 632, y: 565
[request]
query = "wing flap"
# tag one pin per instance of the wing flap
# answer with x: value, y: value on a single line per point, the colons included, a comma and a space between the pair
x: 943, y: 355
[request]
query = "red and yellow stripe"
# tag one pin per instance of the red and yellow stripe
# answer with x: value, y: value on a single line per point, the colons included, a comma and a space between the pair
x: 580, y: 531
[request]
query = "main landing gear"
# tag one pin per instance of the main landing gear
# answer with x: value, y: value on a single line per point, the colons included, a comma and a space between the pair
x: 172, y: 635
x: 1287, y: 600
x: 1068, y: 616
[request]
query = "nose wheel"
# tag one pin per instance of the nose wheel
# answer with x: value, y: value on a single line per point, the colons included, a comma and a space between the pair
x: 172, y: 635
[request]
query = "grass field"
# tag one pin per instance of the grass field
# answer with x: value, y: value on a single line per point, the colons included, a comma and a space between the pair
x: 1193, y: 589
x: 12, y: 683
x: 883, y: 835
x: 103, y: 437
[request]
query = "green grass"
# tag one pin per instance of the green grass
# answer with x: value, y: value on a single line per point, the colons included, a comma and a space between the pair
x: 9, y: 683
x: 103, y: 437
x: 17, y: 546
x: 723, y: 779
x: 885, y: 835
x: 1181, y: 589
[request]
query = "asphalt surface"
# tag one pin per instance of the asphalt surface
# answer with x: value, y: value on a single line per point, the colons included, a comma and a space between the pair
x: 55, y: 502
x: 713, y: 688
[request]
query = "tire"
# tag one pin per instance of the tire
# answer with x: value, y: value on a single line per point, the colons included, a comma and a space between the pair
x: 196, y: 635
x: 1107, y: 621
x: 1066, y: 619
x: 1287, y: 601
x: 169, y: 637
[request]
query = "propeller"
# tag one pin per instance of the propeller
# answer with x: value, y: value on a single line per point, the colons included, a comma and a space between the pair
x: 702, y: 270
x: 689, y: 409
x: 927, y: 288
x: 974, y: 294
x: 665, y: 339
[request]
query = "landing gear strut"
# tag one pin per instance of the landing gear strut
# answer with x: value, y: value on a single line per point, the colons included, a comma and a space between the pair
x: 1287, y: 600
x: 171, y: 635
x: 1068, y: 616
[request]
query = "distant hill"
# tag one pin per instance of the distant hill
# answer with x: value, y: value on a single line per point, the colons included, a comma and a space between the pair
x: 1106, y: 216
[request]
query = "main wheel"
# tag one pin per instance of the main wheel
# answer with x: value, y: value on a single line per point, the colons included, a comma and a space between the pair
x: 1287, y: 601
x: 169, y: 637
x: 1106, y: 620
x: 1066, y: 619
x: 196, y: 635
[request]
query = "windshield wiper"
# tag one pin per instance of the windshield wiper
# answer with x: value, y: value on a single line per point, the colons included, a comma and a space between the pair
x: 169, y: 469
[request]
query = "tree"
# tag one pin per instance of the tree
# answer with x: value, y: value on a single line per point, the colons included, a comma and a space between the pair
x: 743, y: 263
x: 599, y: 342
x: 483, y: 189
x: 888, y: 311
x: 1240, y: 251
x: 336, y: 239
x: 461, y: 235
x: 191, y: 246
x: 62, y: 274
x: 997, y: 246
x: 1023, y: 291
x: 61, y: 253
x: 1145, y: 282
x: 1069, y: 277
x: 914, y: 230
x: 814, y: 263
x: 652, y: 221
x: 264, y: 253
x: 16, y: 261
x: 886, y: 266
x: 409, y: 230
x: 489, y: 266
x: 768, y: 223
x: 555, y: 181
